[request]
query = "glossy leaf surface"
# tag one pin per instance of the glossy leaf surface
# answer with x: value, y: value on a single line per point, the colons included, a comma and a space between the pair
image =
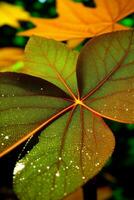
x: 25, y: 104
x: 76, y: 145
x: 10, y: 14
x: 64, y: 158
x: 77, y: 22
x: 53, y: 62
x: 111, y: 92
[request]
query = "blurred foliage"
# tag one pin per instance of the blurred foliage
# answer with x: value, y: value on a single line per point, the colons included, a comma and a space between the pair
x: 118, y: 173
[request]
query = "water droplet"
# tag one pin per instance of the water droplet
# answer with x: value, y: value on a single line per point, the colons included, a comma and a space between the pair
x: 90, y: 130
x: 97, y: 164
x: 126, y: 109
x: 6, y: 137
x: 60, y: 158
x: 34, y: 166
x: 89, y: 157
x: 22, y: 179
x: 48, y: 167
x: 41, y: 88
x: 18, y: 168
x: 83, y: 177
x: 77, y: 167
x: 2, y: 144
x: 2, y: 95
x: 71, y: 161
x: 57, y: 174
x: 39, y: 170
x: 77, y: 148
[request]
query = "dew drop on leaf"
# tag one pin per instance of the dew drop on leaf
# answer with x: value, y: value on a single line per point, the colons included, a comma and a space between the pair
x: 77, y: 167
x: 18, y: 168
x: 6, y: 137
x: 57, y: 174
x: 97, y: 164
x: 83, y: 177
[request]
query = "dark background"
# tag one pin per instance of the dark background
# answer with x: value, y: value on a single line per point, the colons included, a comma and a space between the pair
x: 118, y: 173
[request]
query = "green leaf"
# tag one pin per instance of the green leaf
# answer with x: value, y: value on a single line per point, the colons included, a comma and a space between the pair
x: 77, y: 142
x: 70, y: 151
x: 26, y: 103
x: 53, y: 62
x: 105, y: 74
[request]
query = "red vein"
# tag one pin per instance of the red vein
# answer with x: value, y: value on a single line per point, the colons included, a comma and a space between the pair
x: 58, y: 75
x: 105, y: 116
x: 119, y: 64
x: 36, y: 130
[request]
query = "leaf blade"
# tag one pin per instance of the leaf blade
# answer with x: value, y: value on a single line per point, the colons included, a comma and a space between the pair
x: 23, y: 105
x: 71, y: 161
x: 93, y: 21
x: 53, y: 62
x: 112, y: 63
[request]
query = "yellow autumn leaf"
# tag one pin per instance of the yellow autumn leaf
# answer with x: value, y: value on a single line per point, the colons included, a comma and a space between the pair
x: 10, y: 14
x: 77, y: 22
x: 11, y: 58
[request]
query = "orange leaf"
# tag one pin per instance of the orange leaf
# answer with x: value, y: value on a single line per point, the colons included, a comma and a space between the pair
x: 9, y: 56
x: 78, y: 22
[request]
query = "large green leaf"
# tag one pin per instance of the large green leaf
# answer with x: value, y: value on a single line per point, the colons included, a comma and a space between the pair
x: 26, y: 103
x: 70, y: 151
x: 110, y: 60
x: 53, y: 62
x: 76, y: 145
